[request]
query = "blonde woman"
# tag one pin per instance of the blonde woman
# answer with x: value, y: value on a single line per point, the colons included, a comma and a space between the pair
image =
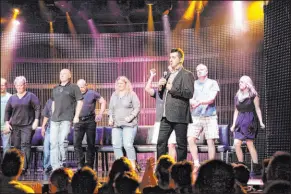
x: 246, y: 104
x: 124, y: 109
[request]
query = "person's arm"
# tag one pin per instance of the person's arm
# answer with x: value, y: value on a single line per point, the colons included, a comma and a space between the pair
x: 148, y: 178
x: 36, y: 106
x: 148, y: 87
x: 79, y: 99
x: 136, y: 107
x: 188, y: 87
x: 258, y: 111
x: 78, y: 111
x: 101, y: 101
x: 7, y: 116
x: 235, y: 114
x: 111, y: 111
x: 44, y: 122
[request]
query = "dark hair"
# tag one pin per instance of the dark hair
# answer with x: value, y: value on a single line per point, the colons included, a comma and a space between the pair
x: 242, y: 174
x: 126, y: 183
x: 280, y: 167
x: 164, y: 165
x: 215, y: 176
x: 119, y: 166
x: 181, y: 173
x: 61, y: 178
x: 84, y: 181
x: 12, y: 163
x: 179, y: 51
x: 278, y: 187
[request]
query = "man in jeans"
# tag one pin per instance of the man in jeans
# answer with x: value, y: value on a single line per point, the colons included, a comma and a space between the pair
x: 45, y: 132
x: 87, y: 124
x: 66, y: 107
x: 5, y: 133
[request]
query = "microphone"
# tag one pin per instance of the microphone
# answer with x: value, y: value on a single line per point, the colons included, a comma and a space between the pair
x: 165, y: 74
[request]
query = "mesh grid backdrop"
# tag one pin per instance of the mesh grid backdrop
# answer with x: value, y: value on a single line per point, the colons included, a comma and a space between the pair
x: 277, y: 59
x: 227, y: 52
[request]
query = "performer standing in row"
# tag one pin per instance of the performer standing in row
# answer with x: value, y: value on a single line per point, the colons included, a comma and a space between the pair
x: 159, y: 113
x: 203, y: 114
x: 45, y: 132
x: 5, y: 134
x: 244, y: 122
x: 123, y: 113
x: 87, y: 124
x: 66, y: 107
x: 22, y: 118
x: 176, y: 90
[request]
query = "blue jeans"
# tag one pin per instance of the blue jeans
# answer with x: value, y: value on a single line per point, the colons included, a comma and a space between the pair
x: 6, y: 142
x: 46, y: 149
x: 124, y: 137
x: 59, y: 146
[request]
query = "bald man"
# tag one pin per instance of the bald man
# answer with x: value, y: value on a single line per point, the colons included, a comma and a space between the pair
x: 203, y: 114
x: 5, y: 133
x: 67, y: 101
x: 87, y: 124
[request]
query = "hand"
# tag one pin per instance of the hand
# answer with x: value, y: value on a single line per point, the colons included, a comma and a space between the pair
x: 232, y: 128
x: 76, y: 120
x: 6, y: 131
x: 127, y: 119
x: 162, y: 82
x: 262, y: 125
x: 35, y: 124
x: 42, y: 131
x: 8, y: 126
x: 150, y: 164
x: 110, y: 122
x: 153, y: 72
x: 195, y: 104
x: 98, y: 117
x: 169, y: 86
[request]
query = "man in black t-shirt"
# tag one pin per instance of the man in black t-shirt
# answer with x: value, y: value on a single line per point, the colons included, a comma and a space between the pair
x: 66, y: 107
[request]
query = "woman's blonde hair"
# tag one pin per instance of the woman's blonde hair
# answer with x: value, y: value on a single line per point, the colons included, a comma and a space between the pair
x: 249, y: 84
x: 128, y: 85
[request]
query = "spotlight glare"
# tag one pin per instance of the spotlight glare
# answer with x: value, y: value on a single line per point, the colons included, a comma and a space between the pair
x: 16, y: 22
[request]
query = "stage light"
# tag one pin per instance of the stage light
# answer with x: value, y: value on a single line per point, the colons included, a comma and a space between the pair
x: 238, y: 16
x: 16, y: 11
x: 150, y: 2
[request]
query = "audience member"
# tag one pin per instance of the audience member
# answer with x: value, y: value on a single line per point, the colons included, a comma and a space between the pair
x: 61, y: 179
x: 278, y: 187
x: 126, y: 183
x: 85, y: 180
x: 11, y: 166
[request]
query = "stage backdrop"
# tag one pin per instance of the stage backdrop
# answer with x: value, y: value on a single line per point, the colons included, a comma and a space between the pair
x: 228, y: 52
x: 277, y: 59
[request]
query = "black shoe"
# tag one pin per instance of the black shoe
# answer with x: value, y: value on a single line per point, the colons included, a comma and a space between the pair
x: 257, y: 170
x: 48, y: 169
x: 24, y: 172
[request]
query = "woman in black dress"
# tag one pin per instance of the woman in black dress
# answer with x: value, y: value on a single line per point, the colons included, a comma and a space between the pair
x: 244, y: 122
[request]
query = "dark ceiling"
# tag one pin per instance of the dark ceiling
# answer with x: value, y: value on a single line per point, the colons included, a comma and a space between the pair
x: 110, y: 16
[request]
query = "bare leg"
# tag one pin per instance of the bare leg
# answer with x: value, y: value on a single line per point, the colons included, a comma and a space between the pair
x: 211, y: 149
x: 252, y: 150
x: 239, y: 154
x: 172, y: 150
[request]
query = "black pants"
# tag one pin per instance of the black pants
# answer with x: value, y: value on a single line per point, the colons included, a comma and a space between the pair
x: 88, y: 127
x: 21, y: 139
x: 166, y: 129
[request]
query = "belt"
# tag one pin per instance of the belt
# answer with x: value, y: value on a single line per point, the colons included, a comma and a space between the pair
x: 89, y: 117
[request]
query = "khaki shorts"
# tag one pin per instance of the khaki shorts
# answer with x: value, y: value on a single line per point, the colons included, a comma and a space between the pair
x: 156, y: 129
x: 207, y: 124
